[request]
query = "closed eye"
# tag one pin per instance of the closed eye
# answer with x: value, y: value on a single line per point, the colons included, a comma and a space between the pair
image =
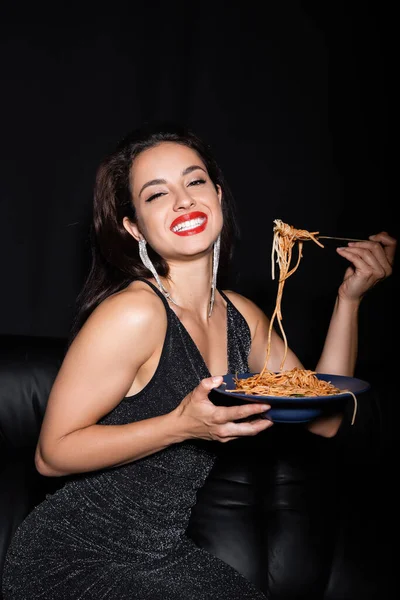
x: 197, y: 182
x: 158, y: 194
x: 154, y: 196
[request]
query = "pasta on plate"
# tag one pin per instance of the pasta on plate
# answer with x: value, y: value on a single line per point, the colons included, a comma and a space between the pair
x: 293, y: 382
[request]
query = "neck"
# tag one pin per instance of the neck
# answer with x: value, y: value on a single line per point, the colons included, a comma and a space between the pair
x: 189, y: 284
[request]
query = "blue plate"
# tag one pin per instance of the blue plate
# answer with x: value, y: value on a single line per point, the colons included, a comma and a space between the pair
x: 289, y: 409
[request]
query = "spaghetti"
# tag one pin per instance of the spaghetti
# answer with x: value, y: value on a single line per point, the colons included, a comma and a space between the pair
x: 285, y: 237
x: 294, y: 382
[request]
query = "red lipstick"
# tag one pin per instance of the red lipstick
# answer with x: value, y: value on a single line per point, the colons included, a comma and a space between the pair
x: 199, y: 225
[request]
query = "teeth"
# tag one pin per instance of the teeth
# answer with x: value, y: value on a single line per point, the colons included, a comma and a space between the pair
x: 188, y: 224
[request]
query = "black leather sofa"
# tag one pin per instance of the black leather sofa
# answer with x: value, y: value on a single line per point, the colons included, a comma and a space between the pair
x: 316, y: 526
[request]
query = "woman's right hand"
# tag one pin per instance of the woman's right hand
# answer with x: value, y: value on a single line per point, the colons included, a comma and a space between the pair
x: 200, y: 418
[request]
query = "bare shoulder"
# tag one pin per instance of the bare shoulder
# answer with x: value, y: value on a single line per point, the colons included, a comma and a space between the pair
x: 135, y: 313
x: 249, y: 309
x: 135, y: 305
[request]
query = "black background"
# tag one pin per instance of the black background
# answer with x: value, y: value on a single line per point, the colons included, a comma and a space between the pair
x: 292, y: 96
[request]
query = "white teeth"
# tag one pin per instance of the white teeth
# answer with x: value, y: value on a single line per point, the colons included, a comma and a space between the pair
x: 188, y: 224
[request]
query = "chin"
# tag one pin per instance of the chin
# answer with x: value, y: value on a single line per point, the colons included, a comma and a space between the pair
x: 196, y: 242
x: 190, y: 249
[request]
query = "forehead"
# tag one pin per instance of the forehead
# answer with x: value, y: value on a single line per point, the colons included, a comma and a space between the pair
x: 165, y: 160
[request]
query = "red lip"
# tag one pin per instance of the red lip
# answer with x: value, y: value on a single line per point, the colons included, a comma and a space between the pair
x: 189, y: 217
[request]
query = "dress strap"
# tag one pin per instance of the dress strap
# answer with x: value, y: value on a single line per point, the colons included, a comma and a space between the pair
x: 156, y: 290
x: 225, y: 297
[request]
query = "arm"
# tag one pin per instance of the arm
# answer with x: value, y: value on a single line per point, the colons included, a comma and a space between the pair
x: 114, y: 354
x: 371, y: 262
x: 97, y: 372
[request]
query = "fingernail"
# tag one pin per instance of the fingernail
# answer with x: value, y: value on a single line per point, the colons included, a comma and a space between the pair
x: 216, y: 379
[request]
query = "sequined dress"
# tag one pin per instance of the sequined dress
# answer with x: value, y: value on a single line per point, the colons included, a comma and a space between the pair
x: 119, y: 533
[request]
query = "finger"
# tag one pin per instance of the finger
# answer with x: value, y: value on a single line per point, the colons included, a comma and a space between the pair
x: 225, y: 414
x: 208, y: 384
x: 244, y: 429
x: 365, y: 262
x: 388, y: 242
x: 378, y: 251
x: 384, y: 238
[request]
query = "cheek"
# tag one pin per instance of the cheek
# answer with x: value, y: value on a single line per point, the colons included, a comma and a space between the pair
x: 151, y: 222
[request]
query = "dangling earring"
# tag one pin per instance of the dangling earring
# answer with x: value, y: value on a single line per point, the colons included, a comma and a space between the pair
x: 149, y: 265
x: 216, y: 253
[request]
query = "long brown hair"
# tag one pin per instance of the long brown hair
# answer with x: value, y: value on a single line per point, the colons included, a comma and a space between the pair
x: 115, y: 253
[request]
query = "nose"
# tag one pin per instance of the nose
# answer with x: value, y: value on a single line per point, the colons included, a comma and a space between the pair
x: 184, y: 200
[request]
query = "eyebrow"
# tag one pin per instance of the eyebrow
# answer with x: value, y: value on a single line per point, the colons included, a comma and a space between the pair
x: 158, y: 181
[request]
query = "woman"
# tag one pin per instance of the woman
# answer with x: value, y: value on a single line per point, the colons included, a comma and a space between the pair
x: 129, y: 420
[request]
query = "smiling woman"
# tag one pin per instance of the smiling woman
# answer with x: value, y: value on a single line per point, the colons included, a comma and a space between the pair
x: 129, y: 420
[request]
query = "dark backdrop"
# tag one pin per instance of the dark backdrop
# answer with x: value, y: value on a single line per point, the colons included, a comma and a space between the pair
x: 292, y: 96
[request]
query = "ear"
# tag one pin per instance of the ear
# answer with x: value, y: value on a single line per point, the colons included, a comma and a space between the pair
x: 219, y: 193
x: 132, y: 229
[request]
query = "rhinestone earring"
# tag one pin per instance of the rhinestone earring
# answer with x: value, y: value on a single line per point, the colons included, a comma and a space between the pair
x: 216, y: 253
x: 144, y: 257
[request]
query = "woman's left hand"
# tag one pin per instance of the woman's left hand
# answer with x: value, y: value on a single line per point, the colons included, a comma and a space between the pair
x: 372, y: 261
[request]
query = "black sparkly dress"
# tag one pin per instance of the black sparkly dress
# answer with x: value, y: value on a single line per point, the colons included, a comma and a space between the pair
x: 120, y: 533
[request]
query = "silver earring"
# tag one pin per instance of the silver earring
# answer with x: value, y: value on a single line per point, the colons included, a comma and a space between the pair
x: 144, y: 257
x: 216, y: 253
